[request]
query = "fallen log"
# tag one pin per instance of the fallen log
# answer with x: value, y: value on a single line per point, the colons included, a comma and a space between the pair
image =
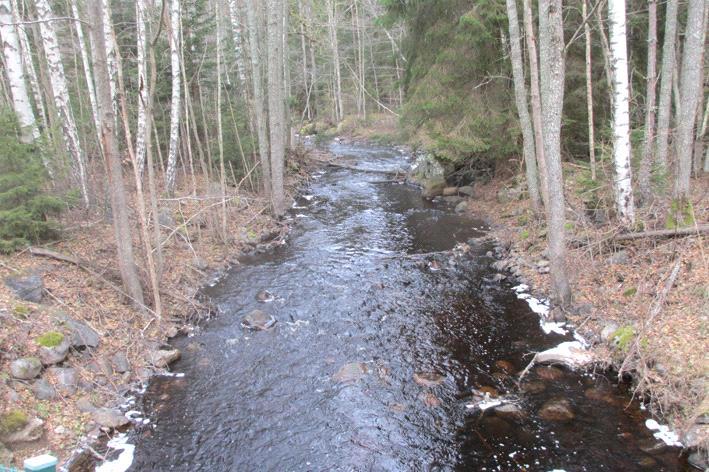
x: 663, y: 233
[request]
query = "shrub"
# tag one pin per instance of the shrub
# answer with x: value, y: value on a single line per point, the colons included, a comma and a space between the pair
x: 24, y: 207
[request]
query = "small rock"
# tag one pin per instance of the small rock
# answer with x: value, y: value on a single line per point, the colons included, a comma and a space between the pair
x: 165, y: 218
x: 65, y: 379
x: 430, y: 400
x: 509, y: 410
x: 100, y: 366
x: 433, y: 188
x: 171, y: 331
x: 498, y: 278
x: 698, y: 460
x: 428, y: 379
x: 351, y: 372
x: 120, y: 362
x: 84, y: 405
x: 200, y: 264
x: 621, y: 257
x: 466, y: 190
x: 600, y: 394
x: 43, y: 390
x: 163, y: 358
x: 258, y: 320
x: 549, y: 373
x: 33, y: 430
x: 506, y: 366
x: 557, y: 409
x: 503, y: 195
x: 56, y: 354
x: 583, y: 309
x: 488, y: 391
x: 652, y: 446
x: 462, y: 207
x: 695, y: 436
x: 82, y: 335
x: 6, y: 456
x: 543, y: 270
x: 26, y: 368
x: 435, y: 266
x: 29, y: 288
x: 450, y: 191
x: 499, y: 265
x: 557, y: 314
x: 608, y: 331
x: 109, y: 418
x: 533, y: 387
x: 264, y: 296
x: 542, y: 263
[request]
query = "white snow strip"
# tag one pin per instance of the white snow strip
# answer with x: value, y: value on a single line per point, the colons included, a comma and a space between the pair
x: 178, y: 375
x: 308, y: 197
x: 125, y: 458
x: 663, y: 433
x: 580, y: 339
x: 571, y: 353
x: 552, y: 327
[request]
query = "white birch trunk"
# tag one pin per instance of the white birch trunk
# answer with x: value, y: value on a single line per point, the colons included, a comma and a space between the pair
x: 111, y: 55
x: 690, y: 81
x: 621, y: 112
x: 334, y: 45
x: 552, y: 76
x: 589, y: 92
x: 29, y: 65
x: 60, y: 92
x: 175, y: 65
x: 236, y: 33
x: 88, y: 76
x: 143, y: 92
x: 664, y: 109
x: 530, y: 159
x: 16, y: 75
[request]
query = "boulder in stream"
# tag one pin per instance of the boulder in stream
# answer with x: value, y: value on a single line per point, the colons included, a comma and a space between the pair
x: 557, y: 409
x: 428, y: 379
x: 258, y: 320
x: 264, y: 296
x: 110, y: 418
x: 351, y: 372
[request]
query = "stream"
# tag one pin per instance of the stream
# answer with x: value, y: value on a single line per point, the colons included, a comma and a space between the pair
x: 356, y: 286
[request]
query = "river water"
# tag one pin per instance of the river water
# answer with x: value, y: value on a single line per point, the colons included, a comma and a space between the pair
x: 355, y: 283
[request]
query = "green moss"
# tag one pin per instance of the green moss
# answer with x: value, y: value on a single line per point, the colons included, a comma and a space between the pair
x: 681, y: 215
x: 12, y: 421
x: 630, y: 292
x: 21, y: 311
x: 568, y: 226
x: 522, y: 220
x: 50, y: 339
x: 524, y: 234
x: 623, y: 336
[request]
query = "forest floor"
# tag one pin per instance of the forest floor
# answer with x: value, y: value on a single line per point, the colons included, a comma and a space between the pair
x: 638, y: 322
x: 195, y: 251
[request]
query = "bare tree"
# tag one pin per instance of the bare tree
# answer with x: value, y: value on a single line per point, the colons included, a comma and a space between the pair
x: 664, y: 108
x: 522, y: 107
x: 175, y: 66
x: 589, y: 90
x: 143, y: 93
x: 86, y: 63
x: 648, y: 155
x: 124, y: 241
x: 60, y: 92
x: 621, y: 112
x: 15, y: 73
x: 690, y: 81
x: 551, y: 59
x: 331, y: 6
x: 276, y: 103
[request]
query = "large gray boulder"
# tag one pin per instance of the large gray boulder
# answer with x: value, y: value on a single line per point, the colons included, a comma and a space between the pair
x: 65, y: 379
x: 29, y: 288
x: 82, y: 335
x: 54, y: 354
x: 32, y: 431
x: 26, y: 368
x: 163, y: 358
x: 43, y: 390
x: 109, y: 418
x: 427, y: 172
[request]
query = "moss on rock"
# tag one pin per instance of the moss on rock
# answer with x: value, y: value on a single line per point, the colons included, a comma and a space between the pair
x: 50, y: 339
x: 12, y: 421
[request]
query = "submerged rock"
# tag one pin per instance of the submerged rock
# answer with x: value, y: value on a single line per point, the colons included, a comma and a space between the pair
x: 29, y: 288
x: 549, y: 372
x: 26, y: 368
x: 430, y: 400
x: 462, y: 207
x: 258, y: 320
x: 509, y: 410
x: 428, y: 379
x: 557, y: 409
x: 506, y: 366
x: 351, y: 372
x: 163, y: 358
x: 264, y: 296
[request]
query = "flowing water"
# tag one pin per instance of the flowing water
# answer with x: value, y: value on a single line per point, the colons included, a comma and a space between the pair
x: 356, y: 283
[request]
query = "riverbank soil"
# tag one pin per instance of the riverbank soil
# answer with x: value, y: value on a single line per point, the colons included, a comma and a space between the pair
x: 641, y: 302
x: 83, y: 347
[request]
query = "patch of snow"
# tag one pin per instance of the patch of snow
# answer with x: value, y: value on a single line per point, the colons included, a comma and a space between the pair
x: 552, y: 327
x: 125, y: 458
x: 521, y: 288
x: 570, y: 353
x: 580, y: 339
x: 663, y: 433
x: 177, y: 375
x: 308, y: 197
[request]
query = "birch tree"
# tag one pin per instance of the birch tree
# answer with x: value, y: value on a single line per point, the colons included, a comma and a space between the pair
x: 650, y: 105
x: 621, y: 112
x: 60, y: 93
x: 143, y: 93
x: 690, y: 81
x: 276, y: 105
x: 86, y: 63
x: 175, y: 67
x: 551, y: 59
x: 119, y: 206
x: 258, y: 102
x: 589, y: 90
x: 331, y: 6
x: 522, y: 107
x: 15, y: 73
x: 664, y: 109
x: 29, y: 65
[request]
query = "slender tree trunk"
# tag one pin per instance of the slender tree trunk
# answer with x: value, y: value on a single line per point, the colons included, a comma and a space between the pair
x: 236, y: 35
x: 15, y: 73
x: 664, y: 109
x: 605, y: 48
x: 304, y: 54
x: 143, y: 92
x: 124, y: 241
x: 648, y: 155
x: 689, y: 81
x: 539, y: 148
x: 522, y: 107
x: 334, y: 45
x: 258, y: 102
x: 700, y: 140
x: 29, y: 65
x: 222, y: 169
x: 60, y: 92
x: 175, y: 105
x: 589, y: 91
x: 621, y: 113
x: 276, y: 108
x: 111, y: 51
x: 551, y: 49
